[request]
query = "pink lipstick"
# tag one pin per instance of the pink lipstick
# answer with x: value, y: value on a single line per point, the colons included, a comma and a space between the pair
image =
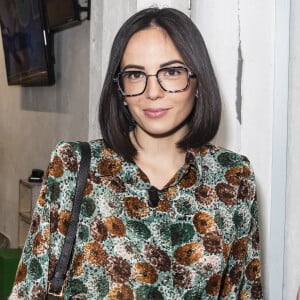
x: 155, y: 112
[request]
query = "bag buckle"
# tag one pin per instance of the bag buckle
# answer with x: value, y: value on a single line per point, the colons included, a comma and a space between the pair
x: 56, y: 294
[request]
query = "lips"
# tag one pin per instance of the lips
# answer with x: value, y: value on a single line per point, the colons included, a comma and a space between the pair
x: 155, y: 112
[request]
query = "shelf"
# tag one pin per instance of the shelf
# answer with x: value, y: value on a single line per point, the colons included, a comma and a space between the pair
x: 28, y: 194
x: 25, y: 216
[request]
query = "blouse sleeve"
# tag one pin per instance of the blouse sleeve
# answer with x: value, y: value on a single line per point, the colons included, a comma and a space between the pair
x: 49, y: 224
x: 243, y: 274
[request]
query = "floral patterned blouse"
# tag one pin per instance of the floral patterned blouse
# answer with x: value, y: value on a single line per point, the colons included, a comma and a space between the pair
x: 200, y: 242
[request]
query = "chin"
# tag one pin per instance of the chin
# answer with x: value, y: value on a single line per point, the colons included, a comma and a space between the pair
x: 164, y: 133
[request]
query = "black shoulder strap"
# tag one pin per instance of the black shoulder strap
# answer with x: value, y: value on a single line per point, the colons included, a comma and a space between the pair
x: 56, y: 286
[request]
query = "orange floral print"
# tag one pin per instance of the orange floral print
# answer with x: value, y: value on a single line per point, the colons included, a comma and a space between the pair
x: 41, y: 199
x: 56, y: 168
x: 163, y: 205
x: 95, y: 254
x: 236, y: 174
x: 118, y: 269
x: 204, y: 150
x: 226, y: 193
x: 213, y: 285
x: 21, y: 273
x: 142, y: 175
x: 136, y: 208
x: 253, y: 269
x: 203, y: 222
x: 78, y: 264
x: 144, y: 272
x: 200, y: 242
x: 114, y: 226
x: 63, y: 221
x: 239, y: 248
x: 39, y: 244
x: 88, y: 188
x: 109, y: 166
x: 188, y: 254
x: 170, y: 192
x: 244, y: 295
x: 188, y: 179
x: 107, y: 152
x: 120, y: 292
x: 205, y: 194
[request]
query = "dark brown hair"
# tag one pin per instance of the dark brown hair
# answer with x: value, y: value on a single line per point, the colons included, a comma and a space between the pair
x: 115, y: 119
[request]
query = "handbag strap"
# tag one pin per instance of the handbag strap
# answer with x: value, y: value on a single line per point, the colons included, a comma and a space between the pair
x: 56, y: 285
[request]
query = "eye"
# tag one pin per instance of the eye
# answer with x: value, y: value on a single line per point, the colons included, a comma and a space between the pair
x: 172, y: 72
x: 133, y: 75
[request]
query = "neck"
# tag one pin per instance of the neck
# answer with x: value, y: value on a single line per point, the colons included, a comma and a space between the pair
x: 158, y: 157
x: 157, y: 145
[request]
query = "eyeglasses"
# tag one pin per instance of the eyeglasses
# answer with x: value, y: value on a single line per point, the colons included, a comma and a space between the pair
x: 171, y: 80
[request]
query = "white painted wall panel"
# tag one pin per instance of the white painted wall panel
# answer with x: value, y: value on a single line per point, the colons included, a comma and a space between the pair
x: 275, y: 254
x: 257, y: 36
x: 292, y: 228
x: 219, y: 25
x: 240, y: 40
x: 182, y: 5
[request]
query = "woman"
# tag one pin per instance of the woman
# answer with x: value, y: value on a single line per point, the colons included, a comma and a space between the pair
x: 165, y: 215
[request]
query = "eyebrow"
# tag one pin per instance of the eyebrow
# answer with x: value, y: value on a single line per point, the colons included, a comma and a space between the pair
x: 171, y: 62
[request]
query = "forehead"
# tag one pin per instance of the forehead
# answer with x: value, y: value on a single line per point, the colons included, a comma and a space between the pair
x: 150, y: 47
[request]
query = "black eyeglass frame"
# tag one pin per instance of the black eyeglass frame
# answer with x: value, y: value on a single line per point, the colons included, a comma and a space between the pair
x: 190, y: 74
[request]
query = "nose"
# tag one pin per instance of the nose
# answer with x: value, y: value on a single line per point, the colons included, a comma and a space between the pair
x: 153, y: 90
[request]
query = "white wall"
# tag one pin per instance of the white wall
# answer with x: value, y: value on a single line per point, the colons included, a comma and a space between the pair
x: 183, y: 5
x: 32, y: 120
x: 243, y: 60
x: 292, y: 228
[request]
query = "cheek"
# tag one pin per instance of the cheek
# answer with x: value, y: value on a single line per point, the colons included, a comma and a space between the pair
x: 190, y: 99
x: 189, y: 105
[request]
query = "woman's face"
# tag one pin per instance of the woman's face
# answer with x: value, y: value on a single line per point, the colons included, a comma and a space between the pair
x: 157, y: 112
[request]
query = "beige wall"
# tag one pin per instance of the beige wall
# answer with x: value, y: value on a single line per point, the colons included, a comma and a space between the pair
x: 32, y: 120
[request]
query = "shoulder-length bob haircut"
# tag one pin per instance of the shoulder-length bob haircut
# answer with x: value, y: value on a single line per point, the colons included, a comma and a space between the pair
x: 114, y: 118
